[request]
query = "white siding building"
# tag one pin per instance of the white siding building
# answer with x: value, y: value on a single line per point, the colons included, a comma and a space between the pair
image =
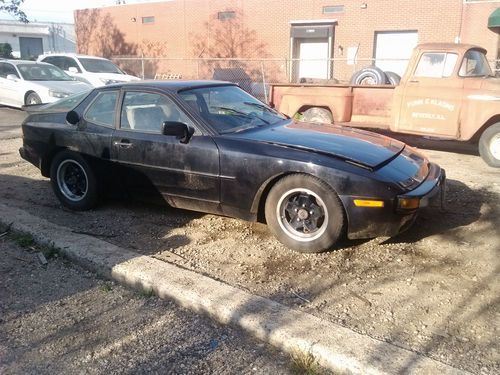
x: 34, y: 38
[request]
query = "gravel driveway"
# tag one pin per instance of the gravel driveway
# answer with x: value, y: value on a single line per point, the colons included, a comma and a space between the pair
x: 433, y: 289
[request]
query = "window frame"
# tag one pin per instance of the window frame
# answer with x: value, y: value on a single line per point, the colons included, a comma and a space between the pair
x: 445, y: 53
x: 148, y: 20
x: 99, y: 94
x: 334, y: 9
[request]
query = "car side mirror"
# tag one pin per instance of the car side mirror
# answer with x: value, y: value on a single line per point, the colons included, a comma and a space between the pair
x: 72, y: 69
x: 177, y: 129
x: 12, y: 77
x: 72, y: 117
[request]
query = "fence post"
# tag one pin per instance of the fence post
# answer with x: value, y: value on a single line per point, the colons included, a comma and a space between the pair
x: 142, y: 65
x: 263, y: 80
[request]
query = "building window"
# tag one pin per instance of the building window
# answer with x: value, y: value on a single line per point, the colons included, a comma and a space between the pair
x: 149, y: 19
x: 333, y: 9
x: 226, y: 15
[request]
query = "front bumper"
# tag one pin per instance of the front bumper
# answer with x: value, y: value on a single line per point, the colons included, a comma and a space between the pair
x: 369, y: 222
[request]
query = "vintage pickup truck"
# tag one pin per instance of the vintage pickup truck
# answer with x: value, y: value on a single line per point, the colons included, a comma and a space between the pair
x: 448, y: 91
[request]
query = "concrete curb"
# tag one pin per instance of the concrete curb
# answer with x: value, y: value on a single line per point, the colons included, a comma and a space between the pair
x: 334, y: 346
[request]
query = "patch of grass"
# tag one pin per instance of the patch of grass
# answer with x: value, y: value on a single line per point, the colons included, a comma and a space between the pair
x: 304, y: 363
x: 106, y: 287
x: 22, y: 239
x: 50, y: 251
x: 147, y: 293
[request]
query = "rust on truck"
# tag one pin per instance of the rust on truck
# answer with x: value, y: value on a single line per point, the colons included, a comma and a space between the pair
x: 448, y: 91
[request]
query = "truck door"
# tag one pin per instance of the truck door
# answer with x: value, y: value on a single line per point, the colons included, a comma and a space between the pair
x: 432, y: 97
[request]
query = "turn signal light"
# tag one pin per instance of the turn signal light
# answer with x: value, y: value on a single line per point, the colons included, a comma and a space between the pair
x: 408, y: 203
x: 368, y: 203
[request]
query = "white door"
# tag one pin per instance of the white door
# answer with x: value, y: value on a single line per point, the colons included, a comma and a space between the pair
x: 313, y: 59
x: 9, y: 94
x: 394, y: 49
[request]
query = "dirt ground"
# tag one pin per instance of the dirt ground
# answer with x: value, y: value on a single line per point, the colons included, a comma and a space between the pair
x: 433, y: 289
x: 60, y: 319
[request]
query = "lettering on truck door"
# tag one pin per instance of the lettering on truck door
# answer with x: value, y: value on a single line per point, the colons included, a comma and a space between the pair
x: 432, y: 97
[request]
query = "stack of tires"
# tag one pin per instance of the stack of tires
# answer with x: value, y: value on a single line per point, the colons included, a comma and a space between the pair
x: 372, y: 75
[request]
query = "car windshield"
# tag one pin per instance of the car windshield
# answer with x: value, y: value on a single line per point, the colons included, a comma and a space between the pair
x: 99, y: 66
x: 475, y: 64
x: 42, y: 72
x: 66, y: 104
x: 229, y: 109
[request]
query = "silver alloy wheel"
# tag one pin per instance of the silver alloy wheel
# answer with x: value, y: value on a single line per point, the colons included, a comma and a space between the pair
x: 72, y: 180
x: 495, y: 146
x: 33, y: 100
x: 302, y: 215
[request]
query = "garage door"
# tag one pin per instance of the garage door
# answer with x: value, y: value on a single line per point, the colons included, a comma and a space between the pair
x: 393, y: 49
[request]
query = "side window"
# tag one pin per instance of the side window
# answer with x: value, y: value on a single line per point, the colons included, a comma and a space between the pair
x: 144, y: 111
x: 54, y: 60
x: 69, y: 62
x: 436, y: 65
x: 6, y: 69
x: 102, y: 109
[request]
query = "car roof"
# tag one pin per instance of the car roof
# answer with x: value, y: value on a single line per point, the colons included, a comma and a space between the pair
x: 72, y: 55
x: 24, y: 62
x: 461, y: 47
x: 173, y: 86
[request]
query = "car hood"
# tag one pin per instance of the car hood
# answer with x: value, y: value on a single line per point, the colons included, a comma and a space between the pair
x: 70, y: 87
x: 116, y: 77
x: 358, y: 146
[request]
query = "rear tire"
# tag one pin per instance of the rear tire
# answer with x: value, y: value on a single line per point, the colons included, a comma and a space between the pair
x: 33, y: 99
x: 73, y: 181
x: 489, y: 145
x: 317, y: 114
x: 370, y: 75
x: 304, y: 213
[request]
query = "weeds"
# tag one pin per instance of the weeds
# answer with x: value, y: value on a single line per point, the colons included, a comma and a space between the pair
x: 23, y: 239
x: 304, y: 363
x: 106, y: 287
x: 147, y: 293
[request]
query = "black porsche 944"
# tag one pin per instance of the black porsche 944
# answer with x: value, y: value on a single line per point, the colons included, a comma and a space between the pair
x: 211, y: 147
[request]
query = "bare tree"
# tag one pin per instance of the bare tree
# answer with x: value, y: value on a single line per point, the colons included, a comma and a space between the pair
x: 12, y: 7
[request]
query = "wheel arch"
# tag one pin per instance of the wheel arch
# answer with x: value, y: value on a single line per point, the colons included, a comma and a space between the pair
x: 492, y: 120
x: 48, y: 157
x: 259, y: 202
x: 27, y: 93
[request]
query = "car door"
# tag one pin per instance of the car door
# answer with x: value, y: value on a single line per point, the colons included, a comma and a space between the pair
x: 10, y: 90
x: 432, y: 97
x: 94, y: 132
x: 187, y: 174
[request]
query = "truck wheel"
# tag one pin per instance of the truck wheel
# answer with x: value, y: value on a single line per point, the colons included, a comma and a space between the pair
x: 317, y: 114
x: 489, y: 145
x: 392, y: 78
x: 304, y: 213
x: 369, y: 76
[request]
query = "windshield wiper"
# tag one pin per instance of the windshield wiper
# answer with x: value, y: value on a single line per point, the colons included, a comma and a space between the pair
x: 242, y: 114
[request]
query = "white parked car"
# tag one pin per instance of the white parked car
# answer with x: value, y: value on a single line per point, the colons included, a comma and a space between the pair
x: 28, y: 82
x: 96, y: 71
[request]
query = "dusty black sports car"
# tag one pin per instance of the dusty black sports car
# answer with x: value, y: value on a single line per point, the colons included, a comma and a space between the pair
x: 209, y: 146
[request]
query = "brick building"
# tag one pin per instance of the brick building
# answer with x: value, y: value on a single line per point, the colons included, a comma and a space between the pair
x: 290, y: 38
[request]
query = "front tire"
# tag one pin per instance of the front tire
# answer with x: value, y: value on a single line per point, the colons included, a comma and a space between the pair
x: 304, y: 213
x: 73, y: 181
x: 33, y: 99
x: 489, y: 145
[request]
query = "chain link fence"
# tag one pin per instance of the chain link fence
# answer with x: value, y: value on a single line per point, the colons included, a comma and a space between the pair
x: 253, y: 75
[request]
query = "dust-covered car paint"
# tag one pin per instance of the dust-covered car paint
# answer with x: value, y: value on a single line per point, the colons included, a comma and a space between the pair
x: 224, y: 152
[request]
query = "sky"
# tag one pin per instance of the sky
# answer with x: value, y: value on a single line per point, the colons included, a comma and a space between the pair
x: 60, y: 10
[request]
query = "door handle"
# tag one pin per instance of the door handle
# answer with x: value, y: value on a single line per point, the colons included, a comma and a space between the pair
x: 124, y: 143
x: 414, y: 80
